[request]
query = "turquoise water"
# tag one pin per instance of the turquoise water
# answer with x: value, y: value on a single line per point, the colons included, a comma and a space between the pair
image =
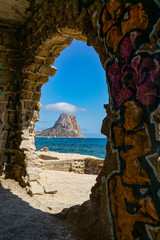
x: 86, y: 146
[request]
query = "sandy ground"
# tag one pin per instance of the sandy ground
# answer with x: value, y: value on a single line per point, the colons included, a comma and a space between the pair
x: 24, y: 217
x: 72, y: 189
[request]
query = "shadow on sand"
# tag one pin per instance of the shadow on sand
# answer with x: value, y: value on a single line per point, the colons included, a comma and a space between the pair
x: 20, y: 221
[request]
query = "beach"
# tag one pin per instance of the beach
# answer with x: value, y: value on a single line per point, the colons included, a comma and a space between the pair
x: 56, y: 181
x: 47, y: 162
x: 25, y: 217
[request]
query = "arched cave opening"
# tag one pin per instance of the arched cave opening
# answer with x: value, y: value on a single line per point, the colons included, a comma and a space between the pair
x: 132, y: 160
x: 78, y: 88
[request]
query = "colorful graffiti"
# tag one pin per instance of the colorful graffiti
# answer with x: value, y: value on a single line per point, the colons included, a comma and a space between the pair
x: 3, y: 86
x: 133, y: 77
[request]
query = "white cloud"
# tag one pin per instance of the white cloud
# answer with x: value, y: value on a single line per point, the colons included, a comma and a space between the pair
x: 63, y: 107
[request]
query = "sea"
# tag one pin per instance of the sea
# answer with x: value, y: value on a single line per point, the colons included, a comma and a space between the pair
x: 85, y: 146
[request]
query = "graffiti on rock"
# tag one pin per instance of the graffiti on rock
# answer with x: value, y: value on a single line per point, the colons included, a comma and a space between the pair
x: 133, y: 77
x: 136, y: 80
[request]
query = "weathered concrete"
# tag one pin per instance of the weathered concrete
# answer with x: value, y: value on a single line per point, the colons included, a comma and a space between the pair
x: 69, y: 162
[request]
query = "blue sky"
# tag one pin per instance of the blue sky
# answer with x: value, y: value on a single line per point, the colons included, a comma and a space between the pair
x: 78, y: 87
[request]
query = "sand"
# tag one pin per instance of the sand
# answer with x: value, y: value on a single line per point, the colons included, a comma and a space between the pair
x: 24, y: 217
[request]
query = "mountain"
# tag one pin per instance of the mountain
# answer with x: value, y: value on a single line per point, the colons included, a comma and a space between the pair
x: 65, y: 127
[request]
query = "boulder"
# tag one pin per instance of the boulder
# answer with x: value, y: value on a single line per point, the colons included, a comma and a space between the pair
x: 45, y: 149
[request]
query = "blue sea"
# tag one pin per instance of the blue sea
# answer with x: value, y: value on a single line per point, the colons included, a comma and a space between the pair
x: 86, y: 146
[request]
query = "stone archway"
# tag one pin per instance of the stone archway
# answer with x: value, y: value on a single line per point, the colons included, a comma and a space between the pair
x: 49, y: 31
x: 41, y: 42
x: 30, y: 52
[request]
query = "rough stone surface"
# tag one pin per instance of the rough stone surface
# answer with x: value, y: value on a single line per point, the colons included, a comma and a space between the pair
x: 69, y: 162
x: 17, y: 12
x: 35, y: 188
x: 50, y: 189
x: 135, y: 97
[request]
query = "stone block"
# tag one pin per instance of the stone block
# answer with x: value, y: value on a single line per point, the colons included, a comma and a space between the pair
x: 58, y: 165
x: 26, y: 95
x: 33, y: 176
x: 43, y: 79
x: 45, y: 157
x: 29, y: 104
x: 35, y: 188
x: 50, y: 189
x: 44, y: 53
x: 32, y: 77
x: 46, y: 70
x: 39, y: 60
x: 36, y: 97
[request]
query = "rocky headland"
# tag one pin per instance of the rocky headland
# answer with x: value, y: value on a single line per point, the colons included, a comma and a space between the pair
x: 65, y: 127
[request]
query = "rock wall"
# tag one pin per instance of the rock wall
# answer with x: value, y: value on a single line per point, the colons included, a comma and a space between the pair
x: 128, y: 184
x: 12, y: 158
x: 49, y: 32
x: 81, y: 164
x: 133, y: 76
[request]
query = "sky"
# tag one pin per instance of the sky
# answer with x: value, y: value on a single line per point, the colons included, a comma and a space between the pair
x: 78, y: 87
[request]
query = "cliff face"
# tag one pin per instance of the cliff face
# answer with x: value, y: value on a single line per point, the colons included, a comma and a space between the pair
x: 65, y: 127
